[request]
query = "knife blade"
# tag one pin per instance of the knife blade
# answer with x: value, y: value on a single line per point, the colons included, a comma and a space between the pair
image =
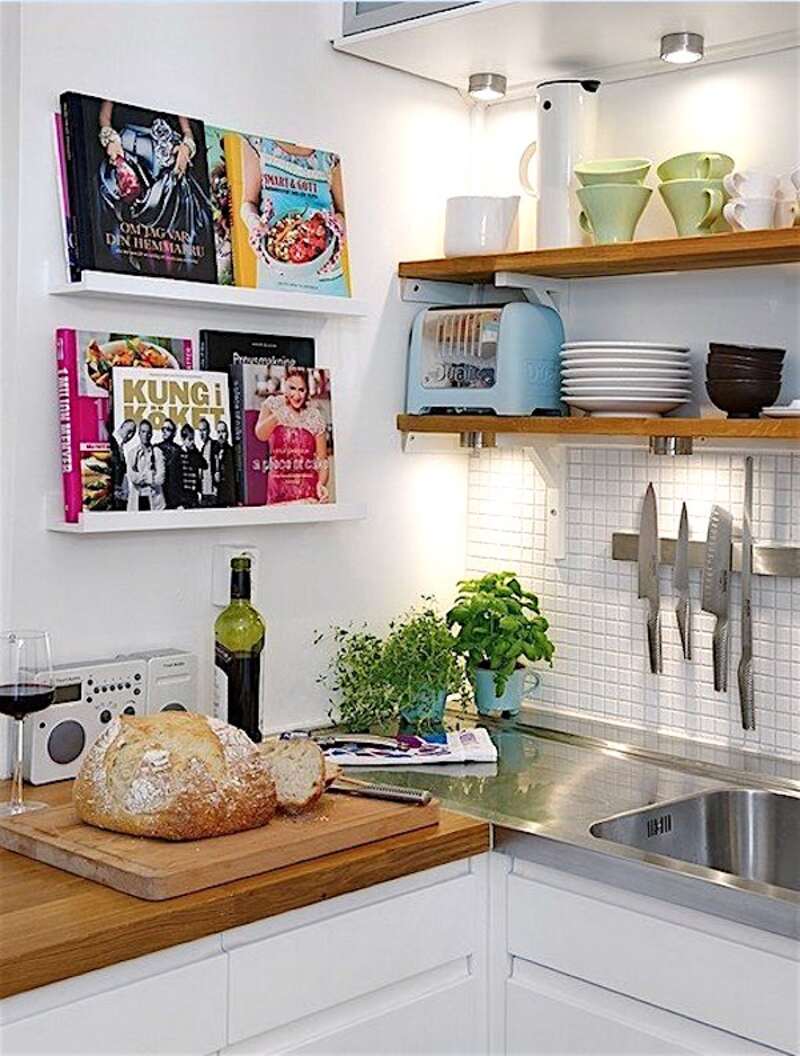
x: 680, y: 583
x: 648, y: 577
x: 745, y: 671
x: 716, y: 589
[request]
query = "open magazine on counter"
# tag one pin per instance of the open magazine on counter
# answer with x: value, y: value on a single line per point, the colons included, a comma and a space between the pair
x: 461, y: 746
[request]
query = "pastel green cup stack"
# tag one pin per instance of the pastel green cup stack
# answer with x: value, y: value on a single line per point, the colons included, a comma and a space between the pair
x: 612, y: 197
x: 692, y: 189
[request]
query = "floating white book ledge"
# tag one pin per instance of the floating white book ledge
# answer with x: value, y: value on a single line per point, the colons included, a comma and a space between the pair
x: 177, y: 291
x: 235, y: 516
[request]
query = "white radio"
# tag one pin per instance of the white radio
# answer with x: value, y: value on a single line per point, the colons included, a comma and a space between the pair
x: 90, y: 694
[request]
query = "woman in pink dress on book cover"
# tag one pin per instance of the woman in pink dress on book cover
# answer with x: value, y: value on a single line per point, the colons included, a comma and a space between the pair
x: 298, y: 448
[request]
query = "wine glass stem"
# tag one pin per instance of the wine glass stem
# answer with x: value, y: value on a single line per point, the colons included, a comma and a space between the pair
x: 16, y: 781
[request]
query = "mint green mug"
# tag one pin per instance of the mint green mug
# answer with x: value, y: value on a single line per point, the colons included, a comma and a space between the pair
x: 695, y: 205
x: 700, y: 165
x: 611, y: 211
x: 613, y: 170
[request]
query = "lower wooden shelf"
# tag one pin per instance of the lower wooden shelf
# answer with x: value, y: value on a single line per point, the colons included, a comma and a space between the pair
x: 722, y: 428
x: 160, y: 520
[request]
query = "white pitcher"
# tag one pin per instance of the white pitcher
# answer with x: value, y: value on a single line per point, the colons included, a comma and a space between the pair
x: 567, y: 118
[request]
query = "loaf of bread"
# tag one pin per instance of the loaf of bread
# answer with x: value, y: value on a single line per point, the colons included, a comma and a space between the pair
x: 176, y: 776
x: 298, y: 769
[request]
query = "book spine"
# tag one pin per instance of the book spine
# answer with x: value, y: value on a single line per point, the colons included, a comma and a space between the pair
x: 237, y: 430
x: 67, y: 220
x: 202, y: 351
x: 188, y: 355
x: 68, y: 419
x: 72, y: 126
x: 245, y: 263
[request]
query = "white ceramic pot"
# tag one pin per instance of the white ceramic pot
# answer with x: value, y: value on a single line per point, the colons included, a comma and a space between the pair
x: 477, y: 223
x: 567, y: 129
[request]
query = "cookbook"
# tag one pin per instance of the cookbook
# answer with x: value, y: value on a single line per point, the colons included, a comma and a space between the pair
x: 172, y: 429
x: 287, y: 215
x: 220, y: 349
x: 283, y: 434
x: 85, y: 361
x: 139, y: 192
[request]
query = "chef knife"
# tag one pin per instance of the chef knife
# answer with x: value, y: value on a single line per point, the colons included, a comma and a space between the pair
x: 716, y: 589
x: 745, y: 671
x: 680, y: 583
x: 648, y: 576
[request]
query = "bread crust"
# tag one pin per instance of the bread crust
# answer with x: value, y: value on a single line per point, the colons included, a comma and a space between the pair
x: 280, y: 754
x: 175, y: 776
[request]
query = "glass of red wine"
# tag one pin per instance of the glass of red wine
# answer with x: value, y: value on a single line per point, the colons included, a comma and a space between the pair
x: 26, y: 686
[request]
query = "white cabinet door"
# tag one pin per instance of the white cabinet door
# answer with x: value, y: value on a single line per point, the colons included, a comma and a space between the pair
x: 550, y: 1014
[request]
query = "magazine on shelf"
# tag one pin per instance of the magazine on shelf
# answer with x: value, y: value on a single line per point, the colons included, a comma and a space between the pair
x: 139, y: 189
x: 85, y: 361
x: 287, y: 215
x: 283, y: 433
x: 173, y: 432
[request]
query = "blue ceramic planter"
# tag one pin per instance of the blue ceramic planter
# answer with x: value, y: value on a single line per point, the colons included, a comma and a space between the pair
x: 428, y: 709
x: 488, y: 702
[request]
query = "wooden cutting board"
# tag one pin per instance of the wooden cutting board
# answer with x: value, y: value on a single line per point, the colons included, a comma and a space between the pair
x: 159, y: 869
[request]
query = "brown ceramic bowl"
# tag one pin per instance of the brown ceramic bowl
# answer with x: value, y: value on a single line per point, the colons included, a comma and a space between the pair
x: 748, y: 351
x: 745, y: 361
x: 732, y: 371
x: 743, y: 398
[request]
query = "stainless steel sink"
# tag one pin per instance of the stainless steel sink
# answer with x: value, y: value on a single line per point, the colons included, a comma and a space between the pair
x: 750, y: 833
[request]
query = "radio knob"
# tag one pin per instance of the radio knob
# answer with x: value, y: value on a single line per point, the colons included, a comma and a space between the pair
x: 105, y: 715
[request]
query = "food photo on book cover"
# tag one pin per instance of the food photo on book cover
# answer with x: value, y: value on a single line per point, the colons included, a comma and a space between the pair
x: 171, y: 445
x: 286, y: 434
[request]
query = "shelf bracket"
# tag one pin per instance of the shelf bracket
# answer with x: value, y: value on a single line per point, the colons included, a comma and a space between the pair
x: 550, y: 459
x: 549, y: 293
x: 432, y: 291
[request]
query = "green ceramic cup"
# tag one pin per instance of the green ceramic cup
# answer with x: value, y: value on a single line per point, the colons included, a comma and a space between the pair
x: 612, y: 170
x: 611, y: 211
x: 695, y: 205
x: 701, y: 165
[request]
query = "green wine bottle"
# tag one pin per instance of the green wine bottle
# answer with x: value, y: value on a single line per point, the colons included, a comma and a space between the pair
x: 239, y: 635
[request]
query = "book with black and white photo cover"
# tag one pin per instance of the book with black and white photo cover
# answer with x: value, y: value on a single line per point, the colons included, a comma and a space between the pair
x: 91, y: 472
x: 139, y: 193
x: 174, y: 430
x: 283, y: 434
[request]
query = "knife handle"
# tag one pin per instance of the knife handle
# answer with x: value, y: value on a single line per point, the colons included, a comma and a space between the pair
x: 746, y: 701
x: 683, y: 615
x: 720, y: 649
x: 654, y: 642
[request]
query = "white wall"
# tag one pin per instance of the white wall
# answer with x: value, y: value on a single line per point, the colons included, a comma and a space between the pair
x: 263, y: 68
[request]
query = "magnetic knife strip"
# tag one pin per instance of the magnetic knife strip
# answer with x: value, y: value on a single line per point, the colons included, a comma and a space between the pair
x: 767, y: 560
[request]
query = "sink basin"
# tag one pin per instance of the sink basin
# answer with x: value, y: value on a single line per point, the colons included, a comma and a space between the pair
x: 750, y: 833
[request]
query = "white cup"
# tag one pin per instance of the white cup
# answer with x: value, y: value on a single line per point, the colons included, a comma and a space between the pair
x: 477, y: 224
x: 795, y: 178
x: 786, y: 212
x: 750, y: 214
x: 751, y: 184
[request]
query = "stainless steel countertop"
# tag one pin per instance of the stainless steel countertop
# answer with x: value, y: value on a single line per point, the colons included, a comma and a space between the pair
x: 550, y: 784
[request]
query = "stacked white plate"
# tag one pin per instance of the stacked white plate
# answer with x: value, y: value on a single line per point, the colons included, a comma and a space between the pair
x: 635, y: 379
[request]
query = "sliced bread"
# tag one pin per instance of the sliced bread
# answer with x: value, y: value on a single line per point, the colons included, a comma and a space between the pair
x: 298, y: 770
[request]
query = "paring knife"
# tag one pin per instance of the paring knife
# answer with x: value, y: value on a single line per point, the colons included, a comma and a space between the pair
x: 349, y: 786
x: 745, y: 671
x: 648, y: 577
x: 680, y: 583
x: 716, y: 589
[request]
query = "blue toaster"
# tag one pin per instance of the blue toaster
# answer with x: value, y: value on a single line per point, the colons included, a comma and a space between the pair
x: 502, y: 359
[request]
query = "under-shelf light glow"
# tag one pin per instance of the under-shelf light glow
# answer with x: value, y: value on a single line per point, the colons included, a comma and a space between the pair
x: 681, y: 49
x: 487, y: 87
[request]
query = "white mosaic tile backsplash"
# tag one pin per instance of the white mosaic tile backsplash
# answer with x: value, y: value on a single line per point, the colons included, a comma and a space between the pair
x: 597, y: 622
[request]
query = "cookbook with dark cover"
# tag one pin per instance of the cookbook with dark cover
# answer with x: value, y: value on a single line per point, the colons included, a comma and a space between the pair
x: 138, y: 189
x: 220, y: 349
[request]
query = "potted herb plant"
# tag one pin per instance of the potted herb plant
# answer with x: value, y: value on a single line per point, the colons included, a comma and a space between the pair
x: 361, y: 699
x: 420, y: 665
x: 498, y: 625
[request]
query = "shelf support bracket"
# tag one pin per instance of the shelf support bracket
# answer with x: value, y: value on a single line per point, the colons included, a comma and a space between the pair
x: 550, y: 459
x: 550, y: 293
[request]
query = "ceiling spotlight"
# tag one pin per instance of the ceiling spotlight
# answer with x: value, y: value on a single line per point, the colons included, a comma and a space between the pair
x: 682, y: 48
x: 486, y: 87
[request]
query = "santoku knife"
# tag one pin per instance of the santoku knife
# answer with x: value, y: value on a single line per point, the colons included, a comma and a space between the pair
x: 680, y: 583
x: 716, y: 589
x: 745, y: 671
x: 648, y: 577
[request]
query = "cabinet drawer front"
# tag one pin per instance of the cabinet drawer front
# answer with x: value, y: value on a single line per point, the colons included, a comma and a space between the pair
x: 177, y: 1012
x: 299, y: 972
x: 738, y: 988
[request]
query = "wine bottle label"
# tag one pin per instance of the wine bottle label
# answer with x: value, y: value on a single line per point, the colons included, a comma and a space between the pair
x: 237, y: 687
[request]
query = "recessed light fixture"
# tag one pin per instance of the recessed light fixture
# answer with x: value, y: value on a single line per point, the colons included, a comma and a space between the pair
x: 486, y: 87
x: 682, y: 48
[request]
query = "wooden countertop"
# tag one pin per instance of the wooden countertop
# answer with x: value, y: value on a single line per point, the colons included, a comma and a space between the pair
x: 55, y: 925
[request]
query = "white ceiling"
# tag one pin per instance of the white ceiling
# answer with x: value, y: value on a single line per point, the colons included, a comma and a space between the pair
x: 535, y: 40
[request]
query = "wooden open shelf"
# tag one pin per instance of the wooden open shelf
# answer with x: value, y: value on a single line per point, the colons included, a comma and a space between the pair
x: 737, y: 250
x: 720, y: 428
